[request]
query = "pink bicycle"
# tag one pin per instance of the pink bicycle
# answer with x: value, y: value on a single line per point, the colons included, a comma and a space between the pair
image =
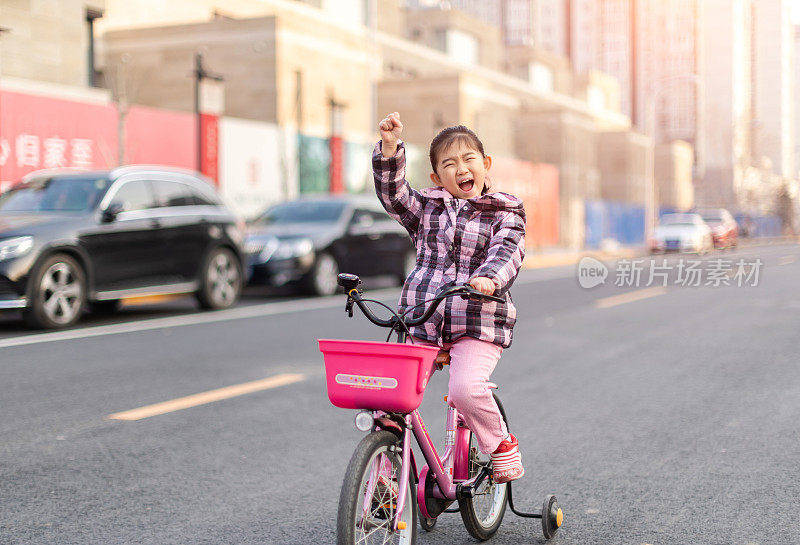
x: 386, y: 382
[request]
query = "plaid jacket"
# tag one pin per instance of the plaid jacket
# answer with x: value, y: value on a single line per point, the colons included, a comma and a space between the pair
x: 485, y: 237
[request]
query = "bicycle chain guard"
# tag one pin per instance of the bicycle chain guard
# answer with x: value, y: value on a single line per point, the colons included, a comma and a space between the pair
x: 432, y: 505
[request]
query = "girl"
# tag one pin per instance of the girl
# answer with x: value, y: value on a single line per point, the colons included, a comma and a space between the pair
x: 463, y: 234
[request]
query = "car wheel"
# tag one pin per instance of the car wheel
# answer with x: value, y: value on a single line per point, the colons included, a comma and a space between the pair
x: 409, y: 263
x: 57, y: 293
x: 322, y: 278
x: 220, y: 280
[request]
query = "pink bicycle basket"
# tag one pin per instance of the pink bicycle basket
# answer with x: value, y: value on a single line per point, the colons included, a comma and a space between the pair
x: 380, y: 376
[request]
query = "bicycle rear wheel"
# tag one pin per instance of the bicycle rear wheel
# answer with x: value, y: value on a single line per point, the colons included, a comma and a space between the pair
x: 483, y: 513
x: 368, y: 499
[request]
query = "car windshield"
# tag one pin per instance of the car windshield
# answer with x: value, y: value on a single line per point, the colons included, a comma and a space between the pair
x: 55, y: 194
x: 672, y: 219
x: 304, y: 212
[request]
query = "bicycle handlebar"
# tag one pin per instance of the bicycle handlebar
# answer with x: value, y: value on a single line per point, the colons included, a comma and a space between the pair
x: 350, y: 282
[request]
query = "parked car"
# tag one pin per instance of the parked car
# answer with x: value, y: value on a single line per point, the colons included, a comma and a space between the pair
x: 71, y: 240
x: 724, y: 228
x: 309, y: 241
x: 682, y: 233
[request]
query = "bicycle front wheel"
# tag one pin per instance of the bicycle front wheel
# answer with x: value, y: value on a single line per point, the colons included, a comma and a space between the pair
x: 483, y: 513
x: 368, y: 501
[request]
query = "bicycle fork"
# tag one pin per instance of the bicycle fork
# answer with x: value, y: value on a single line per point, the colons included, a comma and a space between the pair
x: 405, y: 470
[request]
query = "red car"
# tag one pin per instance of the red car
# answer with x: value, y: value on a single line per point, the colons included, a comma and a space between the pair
x: 724, y: 229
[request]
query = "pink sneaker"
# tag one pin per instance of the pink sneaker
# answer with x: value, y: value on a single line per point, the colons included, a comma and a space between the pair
x: 507, y: 461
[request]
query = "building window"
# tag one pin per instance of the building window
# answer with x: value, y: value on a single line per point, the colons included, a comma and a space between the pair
x: 462, y: 46
x: 540, y: 76
x: 596, y: 98
x: 439, y: 39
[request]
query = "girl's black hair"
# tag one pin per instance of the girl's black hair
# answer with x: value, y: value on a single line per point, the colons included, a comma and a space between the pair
x: 448, y: 136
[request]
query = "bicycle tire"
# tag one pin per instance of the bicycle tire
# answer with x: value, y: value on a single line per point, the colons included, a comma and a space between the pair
x: 354, y: 525
x: 481, y: 526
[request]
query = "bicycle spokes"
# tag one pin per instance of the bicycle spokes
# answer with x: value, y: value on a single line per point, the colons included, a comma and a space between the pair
x: 379, y: 493
x: 487, y: 495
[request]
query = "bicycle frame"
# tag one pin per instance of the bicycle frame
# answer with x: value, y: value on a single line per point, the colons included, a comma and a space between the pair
x: 450, y: 470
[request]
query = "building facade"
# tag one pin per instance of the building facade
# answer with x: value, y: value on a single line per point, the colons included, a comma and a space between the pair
x: 728, y: 97
x: 773, y: 86
x: 796, y: 82
x: 49, y: 42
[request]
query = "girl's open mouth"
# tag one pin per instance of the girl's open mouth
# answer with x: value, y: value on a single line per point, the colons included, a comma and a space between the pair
x: 466, y: 186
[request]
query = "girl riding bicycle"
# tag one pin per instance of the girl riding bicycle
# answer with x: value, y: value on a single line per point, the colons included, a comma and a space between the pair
x: 463, y: 234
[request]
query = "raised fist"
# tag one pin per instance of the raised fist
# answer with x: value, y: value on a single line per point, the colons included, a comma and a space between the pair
x: 391, y: 128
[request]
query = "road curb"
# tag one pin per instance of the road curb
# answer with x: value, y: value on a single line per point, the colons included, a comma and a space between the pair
x: 546, y: 260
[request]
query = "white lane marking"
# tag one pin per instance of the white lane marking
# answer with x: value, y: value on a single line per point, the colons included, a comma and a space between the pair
x: 629, y: 297
x: 238, y: 313
x: 204, y: 398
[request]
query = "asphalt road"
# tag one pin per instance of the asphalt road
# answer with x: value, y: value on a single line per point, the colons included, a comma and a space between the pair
x: 656, y: 415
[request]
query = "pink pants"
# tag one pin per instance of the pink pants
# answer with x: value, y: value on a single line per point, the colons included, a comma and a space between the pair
x: 471, y: 363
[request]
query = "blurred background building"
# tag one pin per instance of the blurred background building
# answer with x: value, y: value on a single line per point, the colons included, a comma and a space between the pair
x: 593, y: 109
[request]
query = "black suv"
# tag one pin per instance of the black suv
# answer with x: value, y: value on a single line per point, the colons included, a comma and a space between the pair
x: 71, y: 240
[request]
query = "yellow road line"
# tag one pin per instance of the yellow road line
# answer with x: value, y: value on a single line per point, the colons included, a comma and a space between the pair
x: 629, y: 297
x: 207, y: 397
x: 149, y: 300
x: 785, y: 260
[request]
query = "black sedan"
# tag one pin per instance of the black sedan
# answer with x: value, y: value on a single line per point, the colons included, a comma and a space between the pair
x: 309, y: 241
x: 72, y: 240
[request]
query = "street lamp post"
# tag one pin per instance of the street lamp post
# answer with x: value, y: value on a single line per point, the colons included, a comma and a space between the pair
x: 200, y: 73
x: 3, y: 30
x: 123, y: 106
x: 650, y: 208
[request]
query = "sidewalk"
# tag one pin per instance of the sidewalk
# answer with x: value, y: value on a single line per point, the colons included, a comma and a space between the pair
x: 557, y: 257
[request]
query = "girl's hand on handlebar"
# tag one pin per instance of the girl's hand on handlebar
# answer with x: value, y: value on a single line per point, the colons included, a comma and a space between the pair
x: 390, y: 128
x: 483, y: 285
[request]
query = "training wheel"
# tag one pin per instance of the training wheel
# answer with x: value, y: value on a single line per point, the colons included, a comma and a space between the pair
x: 552, y: 516
x: 426, y: 523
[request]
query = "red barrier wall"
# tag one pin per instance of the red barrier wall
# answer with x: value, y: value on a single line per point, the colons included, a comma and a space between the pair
x: 38, y: 132
x: 160, y: 137
x: 41, y: 132
x: 537, y: 186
